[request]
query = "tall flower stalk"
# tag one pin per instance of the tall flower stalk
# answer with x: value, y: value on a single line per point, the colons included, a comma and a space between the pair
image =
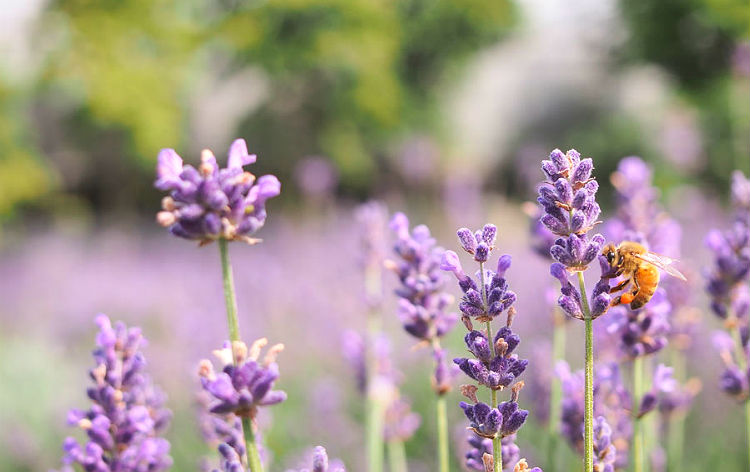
x: 568, y: 198
x: 730, y: 296
x: 224, y: 204
x: 422, y: 310
x: 494, y: 365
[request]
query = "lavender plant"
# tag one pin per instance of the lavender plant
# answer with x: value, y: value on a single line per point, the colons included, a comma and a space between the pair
x: 422, y: 308
x: 568, y: 198
x: 494, y: 365
x: 127, y: 415
x: 320, y: 462
x: 225, y: 204
x: 730, y: 294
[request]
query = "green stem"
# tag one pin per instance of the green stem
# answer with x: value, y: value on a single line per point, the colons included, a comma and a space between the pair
x: 676, y: 425
x: 397, y: 456
x: 442, y: 426
x: 253, y: 457
x: 375, y: 421
x: 638, y: 390
x: 558, y: 353
x: 229, y: 292
x: 742, y: 361
x: 497, y: 441
x: 588, y: 399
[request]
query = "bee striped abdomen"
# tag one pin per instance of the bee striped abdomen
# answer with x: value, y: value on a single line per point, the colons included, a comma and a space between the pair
x: 647, y: 278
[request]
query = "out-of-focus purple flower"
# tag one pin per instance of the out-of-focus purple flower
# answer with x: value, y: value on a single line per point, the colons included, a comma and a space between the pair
x: 542, y: 239
x: 604, y: 450
x: 568, y: 198
x: 316, y: 177
x: 127, y: 415
x: 400, y: 421
x: 423, y: 303
x: 644, y: 331
x: 731, y: 250
x: 244, y: 383
x: 734, y: 381
x: 611, y: 400
x: 209, y: 203
x: 320, y: 462
x: 663, y: 383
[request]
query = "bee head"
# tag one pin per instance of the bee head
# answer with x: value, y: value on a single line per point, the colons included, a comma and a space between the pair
x: 610, y: 252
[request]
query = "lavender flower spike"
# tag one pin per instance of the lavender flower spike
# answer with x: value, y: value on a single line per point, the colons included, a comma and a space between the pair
x: 127, y: 415
x: 209, y: 202
x: 320, y: 462
x: 604, y: 450
x: 244, y: 383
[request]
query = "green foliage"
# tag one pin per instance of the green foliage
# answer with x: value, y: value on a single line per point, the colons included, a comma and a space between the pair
x: 345, y: 75
x: 23, y: 176
x: 692, y: 39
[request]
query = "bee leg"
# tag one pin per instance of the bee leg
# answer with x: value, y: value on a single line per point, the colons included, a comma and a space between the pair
x: 619, y: 286
x: 634, y: 292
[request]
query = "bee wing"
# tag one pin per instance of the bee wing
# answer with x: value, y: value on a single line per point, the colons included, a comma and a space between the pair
x: 662, y: 262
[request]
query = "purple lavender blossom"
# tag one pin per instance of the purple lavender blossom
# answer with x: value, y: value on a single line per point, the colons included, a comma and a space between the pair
x: 490, y: 422
x: 244, y: 384
x: 400, y: 421
x: 604, y: 451
x: 209, y: 203
x: 496, y: 298
x: 127, y: 414
x: 498, y: 368
x: 320, y: 462
x: 372, y: 220
x: 731, y: 249
x: 422, y: 306
x: 568, y: 198
x: 734, y: 380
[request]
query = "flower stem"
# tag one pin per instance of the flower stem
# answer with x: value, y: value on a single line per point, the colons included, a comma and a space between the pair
x: 676, y: 427
x: 375, y: 419
x: 253, y: 457
x: 229, y: 292
x: 588, y: 399
x: 397, y: 456
x: 497, y: 441
x: 442, y: 427
x: 558, y: 353
x: 742, y: 361
x: 638, y: 446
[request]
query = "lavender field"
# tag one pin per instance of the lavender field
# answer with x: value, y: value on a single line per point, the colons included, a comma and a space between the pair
x: 420, y: 236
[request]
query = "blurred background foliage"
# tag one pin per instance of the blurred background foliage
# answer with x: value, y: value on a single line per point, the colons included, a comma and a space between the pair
x: 420, y: 102
x: 106, y: 84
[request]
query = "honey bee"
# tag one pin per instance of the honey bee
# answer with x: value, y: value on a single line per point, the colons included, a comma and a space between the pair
x: 639, y: 267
